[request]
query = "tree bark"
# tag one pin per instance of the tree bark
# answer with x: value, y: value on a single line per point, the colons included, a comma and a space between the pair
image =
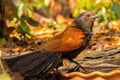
x: 104, y: 61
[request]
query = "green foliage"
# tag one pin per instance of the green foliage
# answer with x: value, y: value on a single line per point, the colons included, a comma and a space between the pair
x: 2, y: 41
x: 20, y: 10
x: 3, y: 72
x: 83, y: 4
x: 26, y: 9
x: 5, y: 76
x: 54, y: 25
x: 109, y: 13
x: 39, y: 4
x: 115, y: 8
x: 23, y: 27
x: 31, y: 21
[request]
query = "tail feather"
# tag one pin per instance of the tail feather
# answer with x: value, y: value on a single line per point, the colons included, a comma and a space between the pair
x: 35, y: 63
x: 46, y: 66
x: 55, y: 64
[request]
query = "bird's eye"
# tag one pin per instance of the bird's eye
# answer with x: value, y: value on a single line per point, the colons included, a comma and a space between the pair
x: 88, y: 15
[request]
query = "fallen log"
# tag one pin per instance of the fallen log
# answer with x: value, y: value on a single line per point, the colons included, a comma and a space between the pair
x: 104, y: 61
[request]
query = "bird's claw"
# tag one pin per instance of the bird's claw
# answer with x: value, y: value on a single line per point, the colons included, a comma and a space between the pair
x: 77, y: 68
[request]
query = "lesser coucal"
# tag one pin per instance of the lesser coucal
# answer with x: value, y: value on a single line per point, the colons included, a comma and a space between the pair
x: 67, y: 45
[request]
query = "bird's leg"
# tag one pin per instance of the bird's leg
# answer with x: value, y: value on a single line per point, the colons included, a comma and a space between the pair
x: 76, y: 68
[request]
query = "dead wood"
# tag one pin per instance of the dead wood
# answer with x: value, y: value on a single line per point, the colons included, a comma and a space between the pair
x: 104, y: 61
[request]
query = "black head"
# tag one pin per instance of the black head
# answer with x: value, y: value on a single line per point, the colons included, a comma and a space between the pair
x: 85, y: 20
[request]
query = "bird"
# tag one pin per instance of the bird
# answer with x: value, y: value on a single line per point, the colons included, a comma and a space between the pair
x: 66, y: 45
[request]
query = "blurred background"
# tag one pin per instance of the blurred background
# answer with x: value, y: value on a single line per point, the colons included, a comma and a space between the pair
x: 29, y: 22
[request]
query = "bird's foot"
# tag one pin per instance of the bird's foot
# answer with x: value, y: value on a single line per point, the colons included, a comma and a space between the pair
x: 76, y: 68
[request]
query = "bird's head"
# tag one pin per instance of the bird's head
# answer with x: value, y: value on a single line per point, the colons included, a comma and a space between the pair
x: 85, y: 20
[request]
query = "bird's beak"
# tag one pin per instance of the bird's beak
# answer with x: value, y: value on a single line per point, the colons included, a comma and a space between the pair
x: 96, y: 16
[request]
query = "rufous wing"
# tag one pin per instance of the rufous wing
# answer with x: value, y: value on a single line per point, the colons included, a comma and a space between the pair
x: 72, y: 38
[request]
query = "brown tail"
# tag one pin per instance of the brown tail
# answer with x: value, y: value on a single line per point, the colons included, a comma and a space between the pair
x: 34, y: 63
